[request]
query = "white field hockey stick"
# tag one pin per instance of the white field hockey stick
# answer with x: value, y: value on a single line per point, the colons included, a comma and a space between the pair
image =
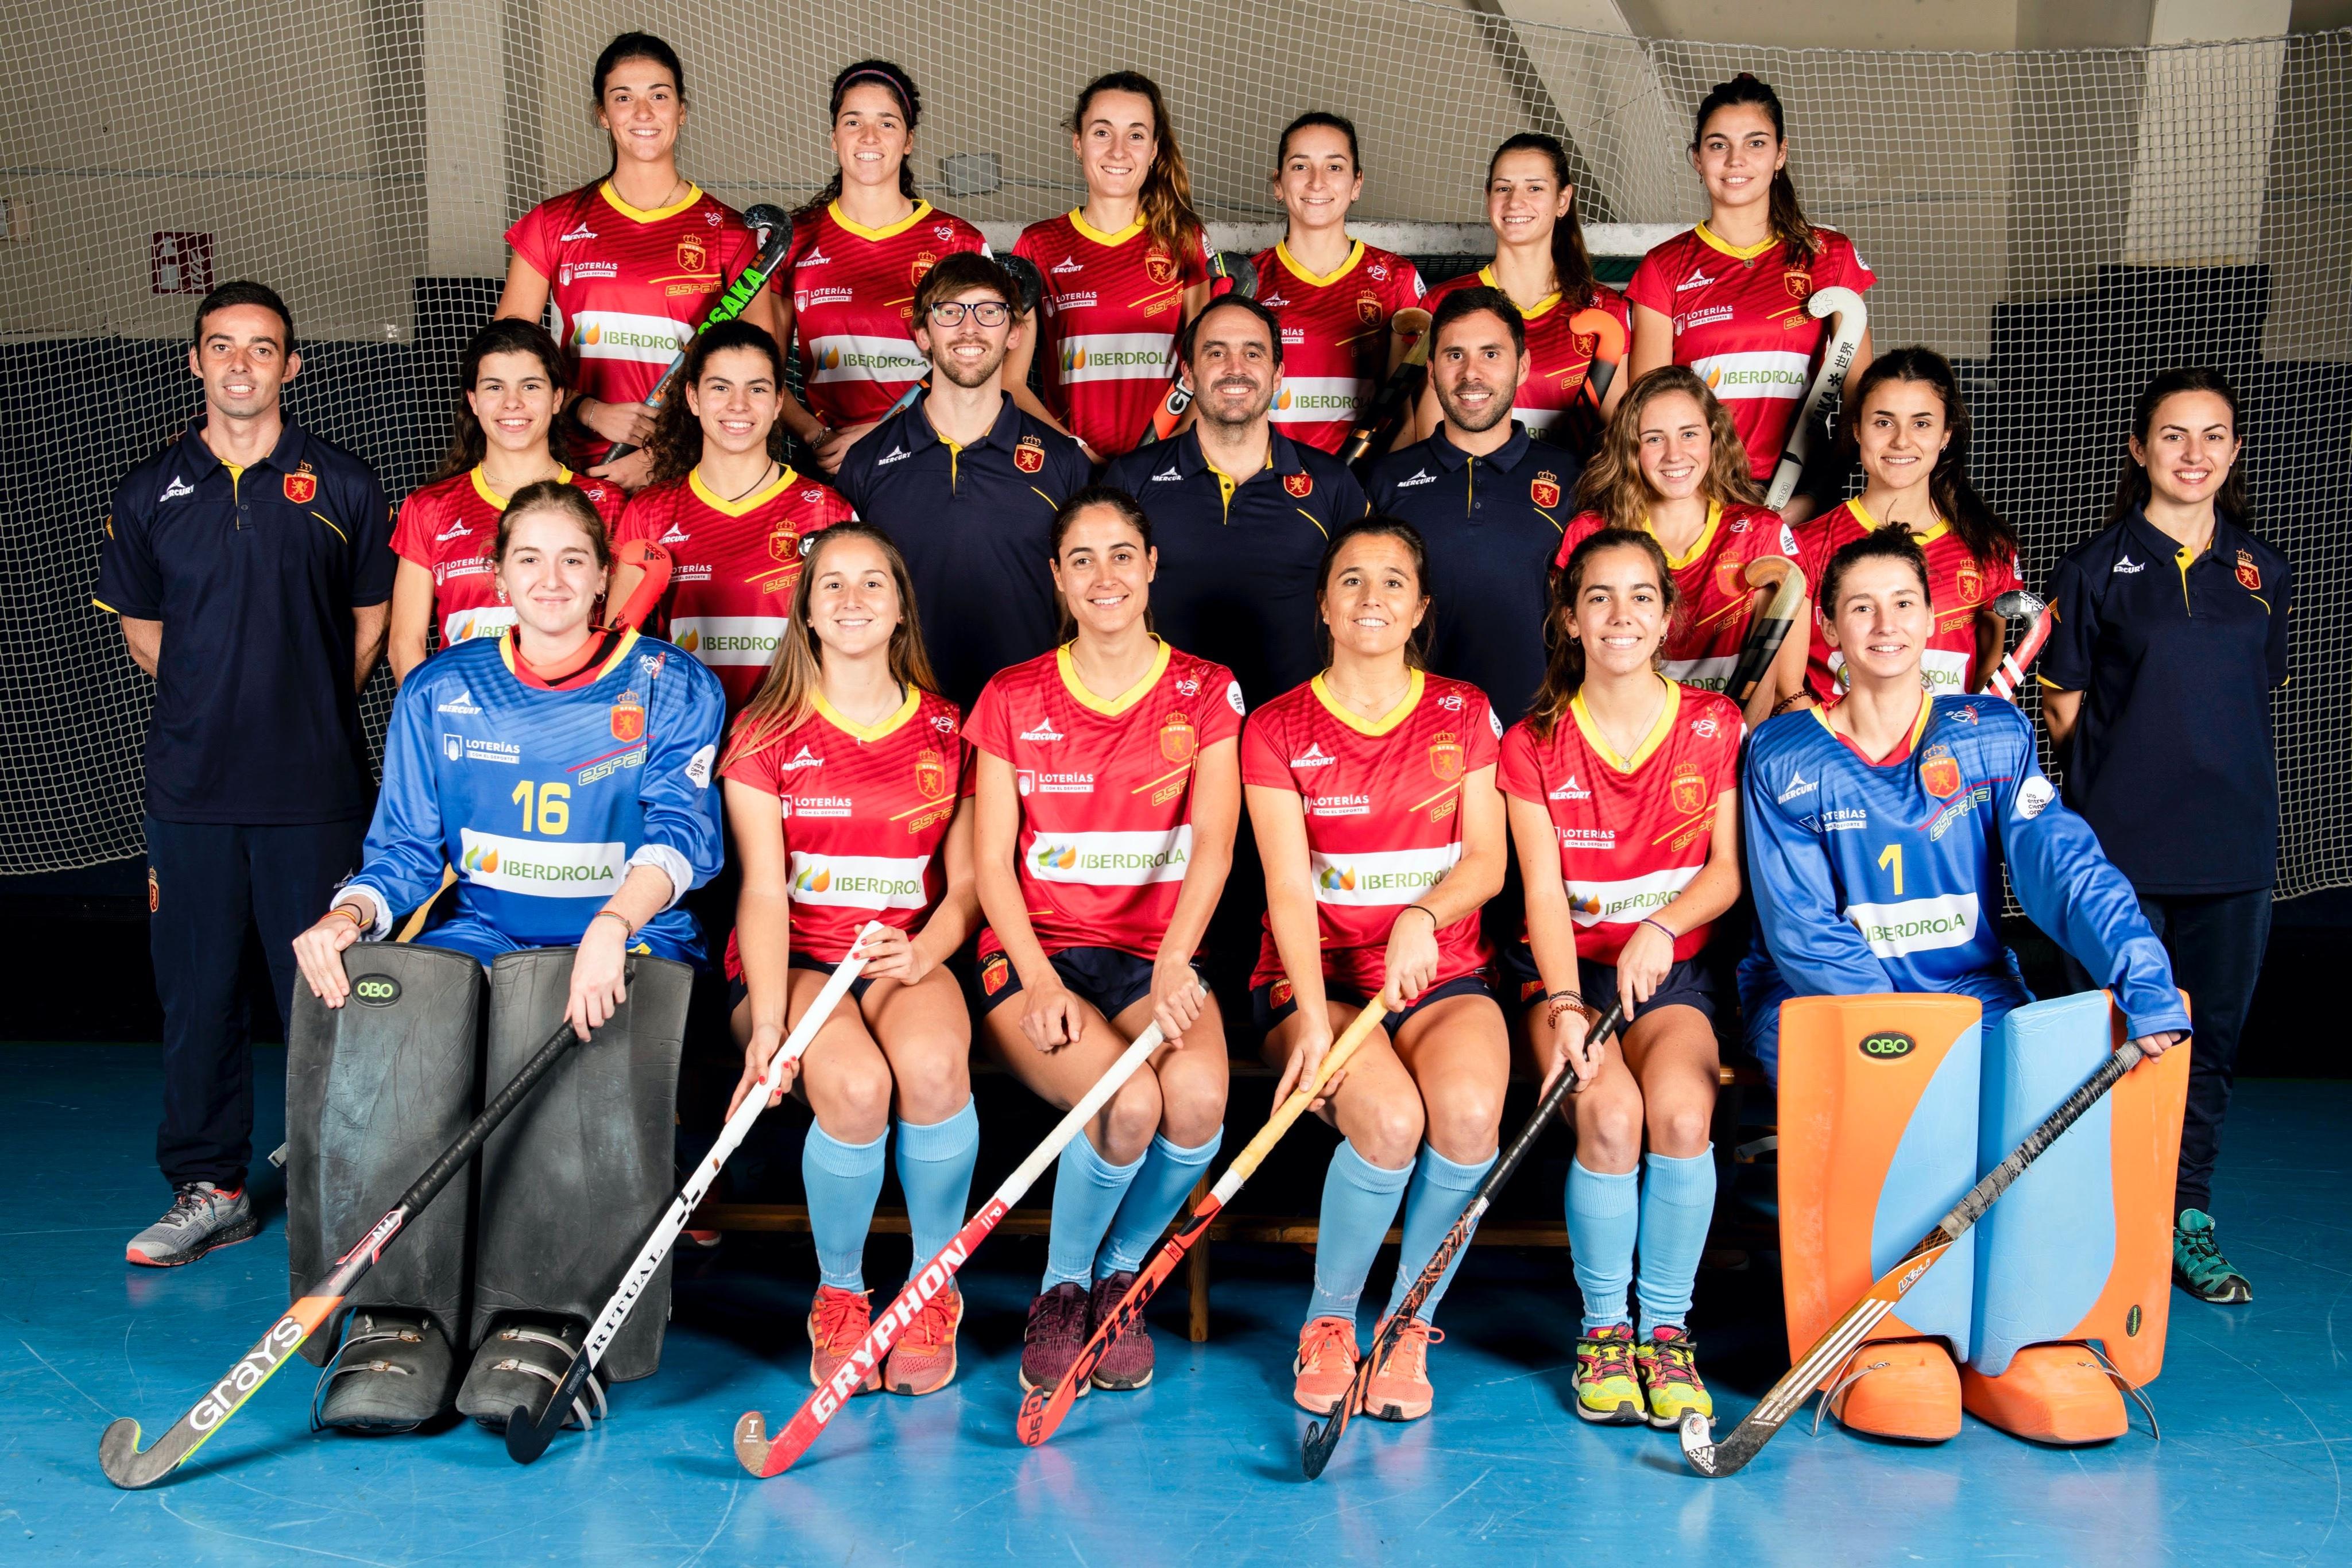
x: 527, y: 1438
x: 1837, y: 358
x: 764, y: 1456
x: 2008, y: 678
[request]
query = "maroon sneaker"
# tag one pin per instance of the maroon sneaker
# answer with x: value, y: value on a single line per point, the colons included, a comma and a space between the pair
x: 1056, y: 1332
x: 1127, y: 1362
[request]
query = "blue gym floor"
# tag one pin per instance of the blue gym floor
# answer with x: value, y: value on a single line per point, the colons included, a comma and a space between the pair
x: 1200, y: 1468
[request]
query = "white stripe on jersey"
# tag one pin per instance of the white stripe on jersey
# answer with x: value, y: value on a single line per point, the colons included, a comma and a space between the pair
x: 1708, y: 674
x: 488, y: 621
x: 1125, y: 859
x: 1386, y: 877
x: 846, y: 357
x: 1538, y: 420
x: 729, y: 639
x: 1117, y: 357
x: 619, y: 335
x: 861, y: 882
x: 1916, y: 924
x: 542, y: 868
x: 1766, y: 374
x: 1317, y: 399
x: 1625, y: 903
x: 1947, y: 671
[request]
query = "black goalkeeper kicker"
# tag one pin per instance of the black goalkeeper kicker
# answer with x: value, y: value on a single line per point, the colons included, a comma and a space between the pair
x: 117, y: 1450
x: 1845, y: 1336
x: 775, y: 227
x: 1322, y: 1437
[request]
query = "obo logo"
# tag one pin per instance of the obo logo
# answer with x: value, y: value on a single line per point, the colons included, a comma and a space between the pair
x: 1886, y: 1045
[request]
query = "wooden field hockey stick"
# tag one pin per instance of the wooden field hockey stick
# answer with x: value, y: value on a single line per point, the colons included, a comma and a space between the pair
x: 764, y: 1456
x: 2008, y: 677
x: 1324, y: 1435
x: 1798, y: 1383
x: 774, y: 227
x: 527, y: 1438
x: 1042, y: 1411
x: 1404, y: 384
x: 1768, y: 628
x: 1028, y: 284
x: 1837, y: 358
x: 1235, y: 270
x: 118, y: 1449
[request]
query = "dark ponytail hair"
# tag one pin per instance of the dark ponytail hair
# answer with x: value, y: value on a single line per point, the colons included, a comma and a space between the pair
x: 1309, y: 121
x: 508, y: 335
x: 634, y: 46
x: 881, y: 73
x: 2132, y: 489
x: 1563, y: 650
x: 1802, y: 246
x: 1892, y: 541
x: 1380, y: 526
x: 1571, y: 264
x: 1989, y: 539
x: 676, y: 441
x: 1167, y: 196
x: 1083, y: 501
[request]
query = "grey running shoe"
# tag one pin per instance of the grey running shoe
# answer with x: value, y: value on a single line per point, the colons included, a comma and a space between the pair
x: 202, y: 1216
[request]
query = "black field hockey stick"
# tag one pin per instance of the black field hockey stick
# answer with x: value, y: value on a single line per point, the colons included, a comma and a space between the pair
x: 1322, y: 1437
x: 773, y: 226
x: 1239, y: 275
x: 1403, y: 385
x: 1028, y: 284
x: 1829, y: 1351
x: 117, y: 1450
x: 527, y: 1438
x: 1837, y: 358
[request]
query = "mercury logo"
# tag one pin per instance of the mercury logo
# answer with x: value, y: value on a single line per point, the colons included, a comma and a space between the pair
x: 176, y: 489
x: 1044, y: 732
x: 1798, y: 785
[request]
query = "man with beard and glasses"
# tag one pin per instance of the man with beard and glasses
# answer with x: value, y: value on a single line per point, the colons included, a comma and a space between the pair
x: 1240, y: 512
x: 967, y: 484
x: 1488, y: 499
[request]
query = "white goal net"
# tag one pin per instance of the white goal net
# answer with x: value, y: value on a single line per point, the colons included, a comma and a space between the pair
x: 2059, y: 223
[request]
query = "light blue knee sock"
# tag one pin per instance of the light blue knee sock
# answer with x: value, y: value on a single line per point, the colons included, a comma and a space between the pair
x: 842, y: 1181
x: 935, y: 1162
x: 1086, y: 1190
x: 1677, y: 1202
x: 1440, y: 1192
x: 1169, y: 1172
x: 1603, y: 1214
x: 1360, y: 1198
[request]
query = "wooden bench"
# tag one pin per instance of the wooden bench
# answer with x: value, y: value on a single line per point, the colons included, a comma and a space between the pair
x: 1293, y: 1230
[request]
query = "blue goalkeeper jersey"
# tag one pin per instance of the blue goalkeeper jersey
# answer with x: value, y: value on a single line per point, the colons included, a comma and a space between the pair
x: 542, y: 800
x: 1883, y: 878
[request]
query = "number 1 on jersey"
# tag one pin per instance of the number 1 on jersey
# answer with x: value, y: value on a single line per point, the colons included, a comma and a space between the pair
x: 547, y: 809
x: 1892, y: 859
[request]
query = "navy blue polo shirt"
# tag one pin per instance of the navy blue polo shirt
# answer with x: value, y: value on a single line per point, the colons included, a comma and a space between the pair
x: 1237, y: 560
x: 254, y: 577
x: 975, y: 524
x: 1492, y: 525
x: 2171, y: 760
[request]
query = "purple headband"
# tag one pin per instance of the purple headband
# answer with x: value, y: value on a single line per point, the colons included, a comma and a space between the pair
x: 896, y: 90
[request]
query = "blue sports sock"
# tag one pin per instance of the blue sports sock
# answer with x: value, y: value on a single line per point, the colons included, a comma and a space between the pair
x: 1086, y: 1190
x: 1677, y: 1203
x: 1170, y: 1171
x: 935, y: 1162
x: 1360, y: 1198
x: 1603, y: 1213
x: 842, y: 1181
x: 1440, y: 1192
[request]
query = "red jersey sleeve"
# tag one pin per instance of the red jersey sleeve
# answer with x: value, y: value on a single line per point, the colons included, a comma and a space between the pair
x: 1845, y: 266
x: 412, y: 536
x: 532, y: 239
x: 1262, y: 755
x: 1649, y: 285
x: 755, y: 768
x: 1517, y: 769
x: 1222, y: 707
x: 1485, y: 732
x: 1580, y: 528
x: 2004, y: 574
x: 986, y: 729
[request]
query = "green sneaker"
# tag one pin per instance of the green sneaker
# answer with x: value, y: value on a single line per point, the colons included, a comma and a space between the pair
x: 1608, y: 1388
x: 2197, y: 1266
x: 1670, y: 1377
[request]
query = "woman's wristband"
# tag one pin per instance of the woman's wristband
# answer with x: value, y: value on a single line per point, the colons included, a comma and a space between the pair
x: 1564, y: 1002
x: 1661, y: 926
x: 345, y: 911
x: 1434, y: 922
x: 627, y: 930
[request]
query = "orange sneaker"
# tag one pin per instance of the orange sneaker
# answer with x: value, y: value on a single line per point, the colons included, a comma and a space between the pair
x: 924, y: 1359
x: 1398, y: 1389
x: 1326, y: 1364
x: 837, y: 1322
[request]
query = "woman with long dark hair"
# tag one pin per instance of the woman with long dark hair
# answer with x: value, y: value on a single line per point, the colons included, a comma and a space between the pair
x: 2171, y: 633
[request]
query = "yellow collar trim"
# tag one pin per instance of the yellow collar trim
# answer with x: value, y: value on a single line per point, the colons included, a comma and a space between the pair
x: 1088, y: 231
x: 850, y: 727
x: 1371, y: 726
x: 640, y: 214
x: 1127, y: 699
x: 1870, y: 523
x: 1736, y: 252
x: 748, y: 504
x: 1910, y: 748
x: 1650, y: 742
x: 498, y: 502
x: 1320, y: 281
x: 1699, y: 546
x: 620, y: 650
x: 922, y: 210
x: 1526, y: 312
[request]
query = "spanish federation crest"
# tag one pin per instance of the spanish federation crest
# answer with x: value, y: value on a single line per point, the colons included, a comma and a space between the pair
x: 930, y: 775
x: 2248, y: 573
x: 1300, y: 485
x: 301, y: 487
x: 1939, y: 772
x: 1029, y: 455
x: 1688, y: 789
x: 628, y: 719
x: 1544, y: 490
x: 1178, y: 738
x: 1446, y: 756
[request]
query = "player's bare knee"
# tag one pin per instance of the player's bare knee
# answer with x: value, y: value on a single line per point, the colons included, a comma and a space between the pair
x: 1609, y: 1125
x: 1461, y: 1121
x: 1130, y: 1119
x: 1679, y: 1130
x: 1391, y: 1134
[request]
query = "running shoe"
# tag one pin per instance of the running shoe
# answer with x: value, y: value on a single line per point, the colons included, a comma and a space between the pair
x: 1670, y: 1376
x: 1326, y: 1364
x: 1607, y: 1377
x: 2197, y: 1266
x: 202, y: 1216
x: 1126, y: 1360
x: 1399, y: 1388
x: 924, y: 1359
x: 1056, y: 1332
x: 837, y: 1324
